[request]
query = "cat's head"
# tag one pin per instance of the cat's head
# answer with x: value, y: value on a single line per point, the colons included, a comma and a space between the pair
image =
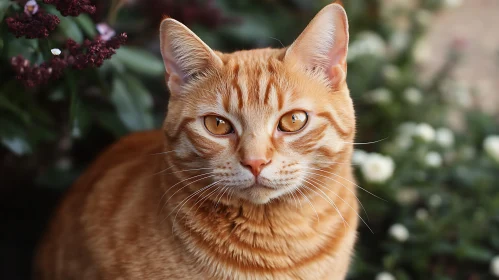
x: 260, y: 122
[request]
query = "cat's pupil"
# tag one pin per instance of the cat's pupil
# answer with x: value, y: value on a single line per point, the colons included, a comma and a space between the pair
x: 293, y: 118
x: 219, y: 121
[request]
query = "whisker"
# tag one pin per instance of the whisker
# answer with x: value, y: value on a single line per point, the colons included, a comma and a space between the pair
x: 207, y: 175
x: 335, y: 162
x: 295, y: 198
x: 309, y: 202
x: 334, y: 180
x: 162, y: 153
x: 277, y: 41
x: 225, y: 188
x: 327, y: 199
x: 347, y: 181
x: 197, y: 180
x: 180, y: 205
x: 367, y: 143
x: 203, y: 200
x: 320, y: 184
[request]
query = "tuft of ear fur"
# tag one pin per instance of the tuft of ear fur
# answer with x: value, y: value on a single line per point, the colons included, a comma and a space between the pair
x: 185, y: 55
x: 323, y: 45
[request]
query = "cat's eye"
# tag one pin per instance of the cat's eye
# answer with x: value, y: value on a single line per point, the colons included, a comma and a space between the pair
x: 217, y: 125
x: 293, y: 121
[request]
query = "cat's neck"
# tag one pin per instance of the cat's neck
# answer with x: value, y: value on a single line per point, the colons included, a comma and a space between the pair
x: 283, y: 234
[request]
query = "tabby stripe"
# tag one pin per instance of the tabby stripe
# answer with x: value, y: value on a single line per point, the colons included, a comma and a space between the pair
x: 236, y: 86
x: 343, y: 133
x: 180, y: 129
x: 270, y: 83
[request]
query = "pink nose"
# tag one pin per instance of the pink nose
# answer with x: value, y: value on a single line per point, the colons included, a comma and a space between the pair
x: 256, y: 165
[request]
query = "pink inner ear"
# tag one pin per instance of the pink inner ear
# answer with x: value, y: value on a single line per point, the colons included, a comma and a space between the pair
x: 336, y: 75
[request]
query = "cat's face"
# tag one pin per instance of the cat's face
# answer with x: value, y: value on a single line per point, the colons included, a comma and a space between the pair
x: 260, y: 122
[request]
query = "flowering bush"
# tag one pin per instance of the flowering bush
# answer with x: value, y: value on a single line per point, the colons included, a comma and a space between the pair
x: 69, y: 88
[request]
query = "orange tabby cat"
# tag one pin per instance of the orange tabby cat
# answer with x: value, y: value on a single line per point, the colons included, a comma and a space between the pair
x: 250, y: 177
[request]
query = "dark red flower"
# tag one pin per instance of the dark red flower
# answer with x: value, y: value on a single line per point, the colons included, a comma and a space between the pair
x: 38, y: 25
x: 36, y: 75
x: 72, y: 7
x: 87, y: 55
x: 93, y: 53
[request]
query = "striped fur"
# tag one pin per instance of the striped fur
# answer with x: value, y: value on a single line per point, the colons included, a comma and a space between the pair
x: 178, y: 204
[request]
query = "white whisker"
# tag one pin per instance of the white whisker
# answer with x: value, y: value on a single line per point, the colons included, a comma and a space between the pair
x: 328, y: 200
x: 320, y: 184
x: 348, y: 181
x: 366, y: 143
x: 309, y: 202
x: 334, y: 180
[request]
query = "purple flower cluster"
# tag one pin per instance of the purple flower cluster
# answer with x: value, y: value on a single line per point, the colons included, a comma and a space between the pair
x: 89, y: 54
x: 36, y: 25
x: 37, y: 74
x: 72, y: 7
x: 93, y: 53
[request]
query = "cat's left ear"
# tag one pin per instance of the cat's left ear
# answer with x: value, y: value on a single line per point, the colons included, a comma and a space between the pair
x: 323, y: 45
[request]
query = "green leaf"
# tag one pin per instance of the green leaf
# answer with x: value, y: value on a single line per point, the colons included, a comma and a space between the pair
x: 68, y: 25
x: 4, y: 6
x: 13, y: 108
x: 110, y: 122
x: 21, y: 46
x: 86, y: 23
x: 14, y: 137
x: 133, y: 102
x: 475, y: 253
x: 139, y: 61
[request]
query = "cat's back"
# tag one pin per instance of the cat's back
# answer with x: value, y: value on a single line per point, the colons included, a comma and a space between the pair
x: 100, y: 230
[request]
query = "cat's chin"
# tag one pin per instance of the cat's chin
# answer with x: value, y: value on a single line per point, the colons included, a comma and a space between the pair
x: 259, y: 194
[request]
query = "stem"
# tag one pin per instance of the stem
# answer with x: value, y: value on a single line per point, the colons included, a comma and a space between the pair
x: 113, y: 13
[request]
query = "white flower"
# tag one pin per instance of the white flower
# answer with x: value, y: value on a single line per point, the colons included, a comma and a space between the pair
x: 380, y: 96
x: 385, y: 276
x: 453, y: 3
x: 444, y: 137
x: 494, y: 266
x: 491, y: 146
x: 55, y: 51
x: 433, y: 159
x: 413, y: 96
x: 435, y: 200
x: 422, y: 214
x: 399, y: 232
x: 391, y: 72
x: 422, y: 52
x: 359, y: 156
x: 407, y: 196
x: 425, y: 132
x: 377, y: 168
x: 367, y: 43
x: 399, y: 41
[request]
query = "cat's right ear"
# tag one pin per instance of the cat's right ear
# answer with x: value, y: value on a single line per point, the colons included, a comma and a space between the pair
x: 185, y: 55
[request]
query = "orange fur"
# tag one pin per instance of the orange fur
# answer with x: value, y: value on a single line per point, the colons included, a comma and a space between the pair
x: 178, y: 204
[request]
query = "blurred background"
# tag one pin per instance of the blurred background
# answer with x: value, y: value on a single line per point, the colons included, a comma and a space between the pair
x: 423, y: 77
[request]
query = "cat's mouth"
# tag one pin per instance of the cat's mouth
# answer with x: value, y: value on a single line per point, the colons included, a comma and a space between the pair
x: 259, y: 186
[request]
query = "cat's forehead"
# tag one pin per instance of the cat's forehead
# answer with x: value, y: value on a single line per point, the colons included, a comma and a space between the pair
x: 248, y: 61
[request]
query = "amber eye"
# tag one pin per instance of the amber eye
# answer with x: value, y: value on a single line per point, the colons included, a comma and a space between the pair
x: 293, y: 121
x: 217, y: 125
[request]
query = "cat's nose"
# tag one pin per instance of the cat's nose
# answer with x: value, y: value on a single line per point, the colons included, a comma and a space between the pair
x: 255, y: 165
